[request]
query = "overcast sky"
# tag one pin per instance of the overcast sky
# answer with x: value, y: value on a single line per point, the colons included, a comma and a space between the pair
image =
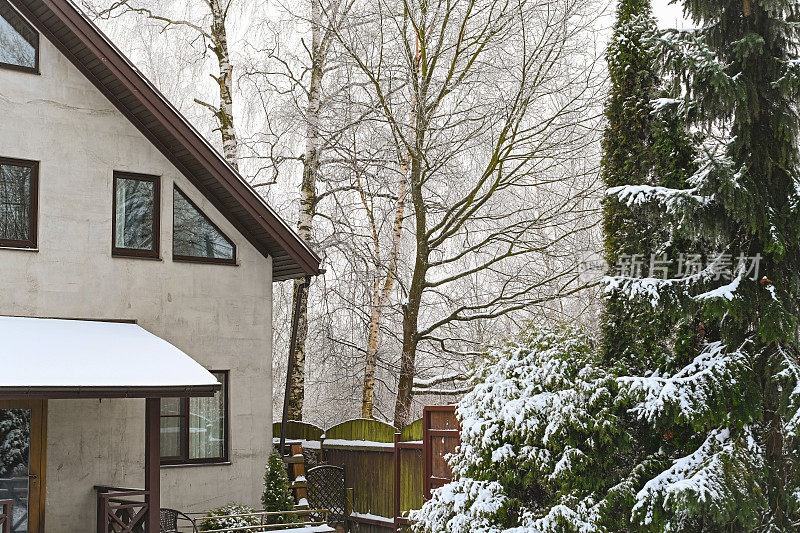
x: 669, y: 15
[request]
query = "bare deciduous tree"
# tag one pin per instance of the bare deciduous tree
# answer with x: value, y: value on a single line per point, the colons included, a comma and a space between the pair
x: 212, y: 29
x: 488, y: 99
x: 304, y: 75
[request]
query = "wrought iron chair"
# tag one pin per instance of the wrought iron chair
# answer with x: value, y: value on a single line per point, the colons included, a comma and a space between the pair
x: 170, y: 518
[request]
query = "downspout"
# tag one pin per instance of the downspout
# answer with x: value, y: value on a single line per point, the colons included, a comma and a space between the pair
x: 290, y: 365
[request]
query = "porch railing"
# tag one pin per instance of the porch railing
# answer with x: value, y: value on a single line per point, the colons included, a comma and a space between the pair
x: 121, y: 510
x: 303, y: 517
x: 5, y: 515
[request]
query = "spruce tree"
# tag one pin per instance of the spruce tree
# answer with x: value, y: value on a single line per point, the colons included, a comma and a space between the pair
x: 727, y: 413
x: 277, y: 494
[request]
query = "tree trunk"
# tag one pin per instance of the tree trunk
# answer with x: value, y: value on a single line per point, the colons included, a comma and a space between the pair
x: 405, y: 385
x: 224, y: 113
x: 379, y: 299
x: 308, y: 200
x: 368, y: 391
x: 297, y: 381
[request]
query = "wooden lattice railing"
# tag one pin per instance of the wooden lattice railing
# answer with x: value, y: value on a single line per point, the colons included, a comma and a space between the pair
x: 121, y: 510
x: 5, y: 515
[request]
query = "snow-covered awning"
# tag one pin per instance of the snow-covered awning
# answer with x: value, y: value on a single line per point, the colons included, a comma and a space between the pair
x: 57, y: 358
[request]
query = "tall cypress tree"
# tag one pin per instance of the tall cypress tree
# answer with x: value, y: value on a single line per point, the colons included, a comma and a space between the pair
x: 640, y: 147
x: 728, y: 414
x: 628, y: 330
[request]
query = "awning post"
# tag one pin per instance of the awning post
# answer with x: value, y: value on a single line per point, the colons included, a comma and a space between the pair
x: 152, y: 462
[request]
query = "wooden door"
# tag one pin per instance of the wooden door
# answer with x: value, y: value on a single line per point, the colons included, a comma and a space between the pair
x: 441, y: 434
x: 23, y: 438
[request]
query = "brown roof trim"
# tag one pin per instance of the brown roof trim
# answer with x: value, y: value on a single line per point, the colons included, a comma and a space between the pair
x: 256, y: 220
x: 57, y: 393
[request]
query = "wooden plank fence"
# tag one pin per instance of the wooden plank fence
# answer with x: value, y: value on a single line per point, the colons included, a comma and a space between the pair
x: 385, y: 469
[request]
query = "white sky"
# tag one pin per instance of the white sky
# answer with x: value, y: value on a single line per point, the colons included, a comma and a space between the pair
x: 669, y: 15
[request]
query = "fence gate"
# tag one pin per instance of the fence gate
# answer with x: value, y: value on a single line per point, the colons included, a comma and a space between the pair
x: 440, y: 436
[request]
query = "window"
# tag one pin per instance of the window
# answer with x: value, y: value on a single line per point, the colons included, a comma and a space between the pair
x: 19, y: 42
x: 195, y: 237
x: 136, y: 215
x: 18, y: 203
x: 195, y: 430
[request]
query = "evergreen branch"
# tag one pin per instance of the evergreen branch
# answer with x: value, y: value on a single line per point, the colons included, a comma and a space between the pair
x: 692, y: 395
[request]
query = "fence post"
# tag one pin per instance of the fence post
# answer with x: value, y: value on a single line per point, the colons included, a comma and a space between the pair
x: 397, y: 484
x: 427, y: 454
x: 5, y: 514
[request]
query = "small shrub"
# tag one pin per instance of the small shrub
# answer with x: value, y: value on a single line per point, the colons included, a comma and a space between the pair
x: 209, y: 522
x: 277, y: 495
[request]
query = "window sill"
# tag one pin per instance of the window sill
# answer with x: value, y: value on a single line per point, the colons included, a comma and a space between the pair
x: 204, y: 260
x: 123, y: 255
x: 189, y: 464
x: 19, y: 248
x: 19, y: 68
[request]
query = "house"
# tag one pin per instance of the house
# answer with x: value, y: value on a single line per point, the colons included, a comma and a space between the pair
x: 136, y: 295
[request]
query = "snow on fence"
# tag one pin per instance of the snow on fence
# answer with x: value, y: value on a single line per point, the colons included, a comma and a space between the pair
x: 373, y: 454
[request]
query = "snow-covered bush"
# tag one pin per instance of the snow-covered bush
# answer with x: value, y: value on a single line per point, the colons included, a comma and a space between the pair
x: 221, y: 518
x: 536, y: 431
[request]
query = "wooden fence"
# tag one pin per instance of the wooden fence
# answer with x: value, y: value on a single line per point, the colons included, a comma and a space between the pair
x: 385, y: 469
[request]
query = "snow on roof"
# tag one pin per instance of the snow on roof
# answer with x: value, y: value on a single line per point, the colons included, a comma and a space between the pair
x: 57, y: 353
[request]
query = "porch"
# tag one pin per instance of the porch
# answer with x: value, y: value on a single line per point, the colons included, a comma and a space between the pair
x: 74, y: 365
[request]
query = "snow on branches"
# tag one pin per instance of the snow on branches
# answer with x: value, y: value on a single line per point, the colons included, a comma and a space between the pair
x: 672, y: 199
x: 716, y: 477
x: 695, y: 393
x: 687, y: 51
x: 532, y: 425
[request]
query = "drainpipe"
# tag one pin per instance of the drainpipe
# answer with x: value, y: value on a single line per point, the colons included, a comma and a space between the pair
x: 292, y: 354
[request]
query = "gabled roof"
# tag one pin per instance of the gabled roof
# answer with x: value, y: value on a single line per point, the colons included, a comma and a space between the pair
x: 80, y: 40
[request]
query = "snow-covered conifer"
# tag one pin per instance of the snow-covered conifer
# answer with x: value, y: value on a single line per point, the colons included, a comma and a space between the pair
x: 727, y: 408
x: 536, y: 431
x: 277, y: 494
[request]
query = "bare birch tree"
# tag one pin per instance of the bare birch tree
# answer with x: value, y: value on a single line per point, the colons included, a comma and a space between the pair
x: 488, y: 99
x: 212, y: 30
x: 304, y: 76
x: 382, y: 288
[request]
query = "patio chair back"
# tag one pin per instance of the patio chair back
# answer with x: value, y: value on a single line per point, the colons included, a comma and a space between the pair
x: 169, y: 521
x: 326, y: 490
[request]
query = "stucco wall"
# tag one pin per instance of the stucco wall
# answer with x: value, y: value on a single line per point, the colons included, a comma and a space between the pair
x: 220, y: 315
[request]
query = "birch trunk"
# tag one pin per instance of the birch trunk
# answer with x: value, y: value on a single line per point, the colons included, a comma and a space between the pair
x: 308, y: 200
x: 380, y: 297
x: 224, y: 113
